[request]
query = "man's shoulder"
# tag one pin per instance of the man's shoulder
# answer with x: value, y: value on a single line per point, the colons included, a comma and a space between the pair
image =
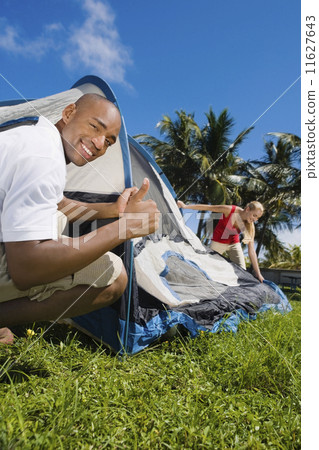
x: 25, y: 126
x: 42, y: 127
x: 20, y: 122
x: 37, y: 138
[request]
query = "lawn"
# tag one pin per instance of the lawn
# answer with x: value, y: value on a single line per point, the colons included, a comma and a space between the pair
x: 217, y: 391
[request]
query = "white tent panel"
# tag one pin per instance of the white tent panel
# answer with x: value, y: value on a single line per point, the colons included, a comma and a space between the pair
x: 149, y: 264
x: 186, y: 232
x: 50, y: 107
x: 102, y: 176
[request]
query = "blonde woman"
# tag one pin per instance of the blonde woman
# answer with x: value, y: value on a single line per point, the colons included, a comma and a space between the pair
x: 234, y: 220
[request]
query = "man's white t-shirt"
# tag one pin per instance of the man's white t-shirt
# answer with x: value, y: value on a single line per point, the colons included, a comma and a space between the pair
x: 32, y: 180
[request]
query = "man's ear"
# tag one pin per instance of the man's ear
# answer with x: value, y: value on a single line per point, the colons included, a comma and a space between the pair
x: 68, y: 112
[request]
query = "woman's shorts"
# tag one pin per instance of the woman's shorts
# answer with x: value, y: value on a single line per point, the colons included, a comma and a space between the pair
x: 235, y: 252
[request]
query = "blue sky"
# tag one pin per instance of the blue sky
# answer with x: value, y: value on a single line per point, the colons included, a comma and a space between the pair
x: 159, y: 57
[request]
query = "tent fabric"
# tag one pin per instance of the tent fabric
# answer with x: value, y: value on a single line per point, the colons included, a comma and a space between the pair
x: 173, y: 279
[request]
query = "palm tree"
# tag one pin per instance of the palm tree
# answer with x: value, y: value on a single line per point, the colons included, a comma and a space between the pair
x: 176, y: 154
x: 275, y: 181
x: 218, y: 159
x: 287, y: 258
x: 289, y: 138
x: 197, y: 160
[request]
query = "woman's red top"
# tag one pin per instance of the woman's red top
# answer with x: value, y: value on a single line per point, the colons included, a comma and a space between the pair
x: 225, y: 232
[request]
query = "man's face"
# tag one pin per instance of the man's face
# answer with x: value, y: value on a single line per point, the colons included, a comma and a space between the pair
x: 89, y: 130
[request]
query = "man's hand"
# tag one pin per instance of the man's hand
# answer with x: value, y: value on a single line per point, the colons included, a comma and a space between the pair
x: 75, y: 210
x: 122, y: 201
x: 140, y: 217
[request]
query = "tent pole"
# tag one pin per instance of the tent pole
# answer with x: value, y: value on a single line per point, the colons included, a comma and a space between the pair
x: 127, y: 324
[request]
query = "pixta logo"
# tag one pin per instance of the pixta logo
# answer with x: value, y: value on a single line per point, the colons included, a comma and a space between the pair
x: 77, y: 215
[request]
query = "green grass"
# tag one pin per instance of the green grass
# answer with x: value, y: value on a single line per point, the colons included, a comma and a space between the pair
x: 221, y: 391
x: 293, y: 294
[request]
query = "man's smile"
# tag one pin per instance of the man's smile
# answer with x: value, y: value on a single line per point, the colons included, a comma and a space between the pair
x: 87, y: 151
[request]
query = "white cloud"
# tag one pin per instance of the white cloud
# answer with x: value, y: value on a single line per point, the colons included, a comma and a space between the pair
x: 52, y: 27
x: 12, y: 41
x: 96, y: 44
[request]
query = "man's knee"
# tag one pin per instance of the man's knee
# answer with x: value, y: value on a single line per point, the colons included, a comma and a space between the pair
x: 113, y: 292
x: 121, y: 282
x: 102, y: 272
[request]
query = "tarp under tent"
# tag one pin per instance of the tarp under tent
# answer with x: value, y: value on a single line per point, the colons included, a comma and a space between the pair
x: 173, y: 278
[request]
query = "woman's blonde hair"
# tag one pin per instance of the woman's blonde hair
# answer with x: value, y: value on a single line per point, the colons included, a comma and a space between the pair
x: 249, y: 233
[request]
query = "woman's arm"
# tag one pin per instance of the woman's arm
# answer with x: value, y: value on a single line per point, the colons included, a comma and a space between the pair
x: 224, y: 209
x: 254, y: 260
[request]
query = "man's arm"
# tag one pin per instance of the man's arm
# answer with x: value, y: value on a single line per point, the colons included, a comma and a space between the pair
x: 74, y: 209
x: 31, y: 263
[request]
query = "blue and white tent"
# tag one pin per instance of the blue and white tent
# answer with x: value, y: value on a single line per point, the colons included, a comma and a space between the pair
x: 173, y: 278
